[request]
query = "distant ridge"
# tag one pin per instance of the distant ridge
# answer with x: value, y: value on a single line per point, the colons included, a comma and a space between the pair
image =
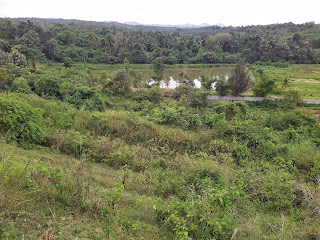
x: 187, y: 25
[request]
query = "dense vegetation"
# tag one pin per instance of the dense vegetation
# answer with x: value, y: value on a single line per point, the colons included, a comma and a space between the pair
x: 80, y: 41
x: 84, y: 155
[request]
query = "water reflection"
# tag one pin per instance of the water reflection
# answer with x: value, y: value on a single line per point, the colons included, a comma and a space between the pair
x: 172, y: 83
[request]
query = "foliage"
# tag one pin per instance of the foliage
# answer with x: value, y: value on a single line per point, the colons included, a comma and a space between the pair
x: 263, y: 86
x: 203, y: 216
x: 222, y: 86
x: 158, y: 68
x: 239, y: 79
x: 293, y: 98
x: 120, y: 83
x: 198, y: 99
x: 181, y: 90
x: 168, y: 114
x: 20, y: 122
x: 206, y: 80
x: 68, y: 40
x: 48, y: 85
x: 86, y: 97
x: 17, y: 59
x: 154, y: 94
x: 150, y: 165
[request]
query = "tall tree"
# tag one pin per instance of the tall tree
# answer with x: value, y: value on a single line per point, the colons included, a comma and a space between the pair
x: 53, y: 50
x: 239, y: 79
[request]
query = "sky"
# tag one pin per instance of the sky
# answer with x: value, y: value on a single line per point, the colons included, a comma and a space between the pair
x: 227, y: 12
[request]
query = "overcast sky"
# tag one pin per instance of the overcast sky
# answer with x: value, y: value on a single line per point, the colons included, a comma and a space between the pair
x: 228, y: 12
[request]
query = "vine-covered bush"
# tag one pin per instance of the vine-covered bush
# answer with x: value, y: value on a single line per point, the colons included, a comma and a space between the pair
x: 19, y: 122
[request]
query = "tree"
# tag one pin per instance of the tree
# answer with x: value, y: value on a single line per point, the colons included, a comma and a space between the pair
x: 222, y: 86
x: 17, y: 58
x: 3, y: 58
x: 53, y: 50
x: 263, y: 86
x: 120, y: 83
x: 110, y: 42
x: 158, y: 68
x: 239, y: 79
x: 206, y: 80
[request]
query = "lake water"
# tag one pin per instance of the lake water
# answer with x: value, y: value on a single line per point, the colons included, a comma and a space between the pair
x: 172, y: 83
x: 174, y: 76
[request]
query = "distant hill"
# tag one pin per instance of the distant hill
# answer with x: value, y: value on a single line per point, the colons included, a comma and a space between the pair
x: 188, y: 25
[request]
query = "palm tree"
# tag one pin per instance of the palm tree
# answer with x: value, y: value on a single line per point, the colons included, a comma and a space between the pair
x: 110, y: 42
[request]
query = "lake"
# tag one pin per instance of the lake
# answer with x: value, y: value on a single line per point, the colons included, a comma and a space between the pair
x: 174, y: 76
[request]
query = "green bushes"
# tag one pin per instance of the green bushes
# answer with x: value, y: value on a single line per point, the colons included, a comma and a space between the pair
x: 281, y: 121
x: 274, y: 189
x: 86, y: 97
x: 48, y: 86
x: 203, y: 216
x: 168, y: 114
x: 198, y: 99
x: 20, y: 122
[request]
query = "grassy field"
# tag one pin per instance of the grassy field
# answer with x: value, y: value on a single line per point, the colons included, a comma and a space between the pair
x: 33, y: 212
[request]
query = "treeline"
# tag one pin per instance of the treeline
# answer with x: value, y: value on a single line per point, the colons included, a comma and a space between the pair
x: 102, y: 43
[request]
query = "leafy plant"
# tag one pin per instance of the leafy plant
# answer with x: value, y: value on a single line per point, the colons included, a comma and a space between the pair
x: 20, y: 122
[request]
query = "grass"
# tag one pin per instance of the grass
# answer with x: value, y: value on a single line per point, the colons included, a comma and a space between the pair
x: 42, y: 215
x: 293, y: 71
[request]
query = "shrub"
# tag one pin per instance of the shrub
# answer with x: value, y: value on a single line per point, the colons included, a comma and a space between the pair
x: 274, y: 189
x: 203, y: 216
x: 120, y: 83
x: 86, y: 97
x: 232, y: 109
x: 154, y: 94
x: 168, y: 114
x: 222, y: 86
x: 198, y: 99
x: 263, y: 86
x: 281, y: 121
x: 19, y: 121
x: 48, y: 85
x: 293, y: 98
x: 182, y: 90
x: 21, y: 85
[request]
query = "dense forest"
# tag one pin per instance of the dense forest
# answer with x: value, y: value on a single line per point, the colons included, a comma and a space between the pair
x: 93, y: 42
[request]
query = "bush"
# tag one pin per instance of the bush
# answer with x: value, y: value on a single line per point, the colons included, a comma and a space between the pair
x: 203, y: 216
x: 21, y: 85
x: 198, y: 99
x: 222, y: 86
x: 281, y: 121
x: 293, y: 98
x: 48, y: 85
x: 263, y: 86
x: 182, y: 90
x: 19, y: 122
x: 275, y: 189
x: 86, y: 97
x: 231, y: 109
x: 168, y: 114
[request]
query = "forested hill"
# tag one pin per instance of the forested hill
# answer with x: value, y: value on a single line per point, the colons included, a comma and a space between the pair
x: 110, y: 42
